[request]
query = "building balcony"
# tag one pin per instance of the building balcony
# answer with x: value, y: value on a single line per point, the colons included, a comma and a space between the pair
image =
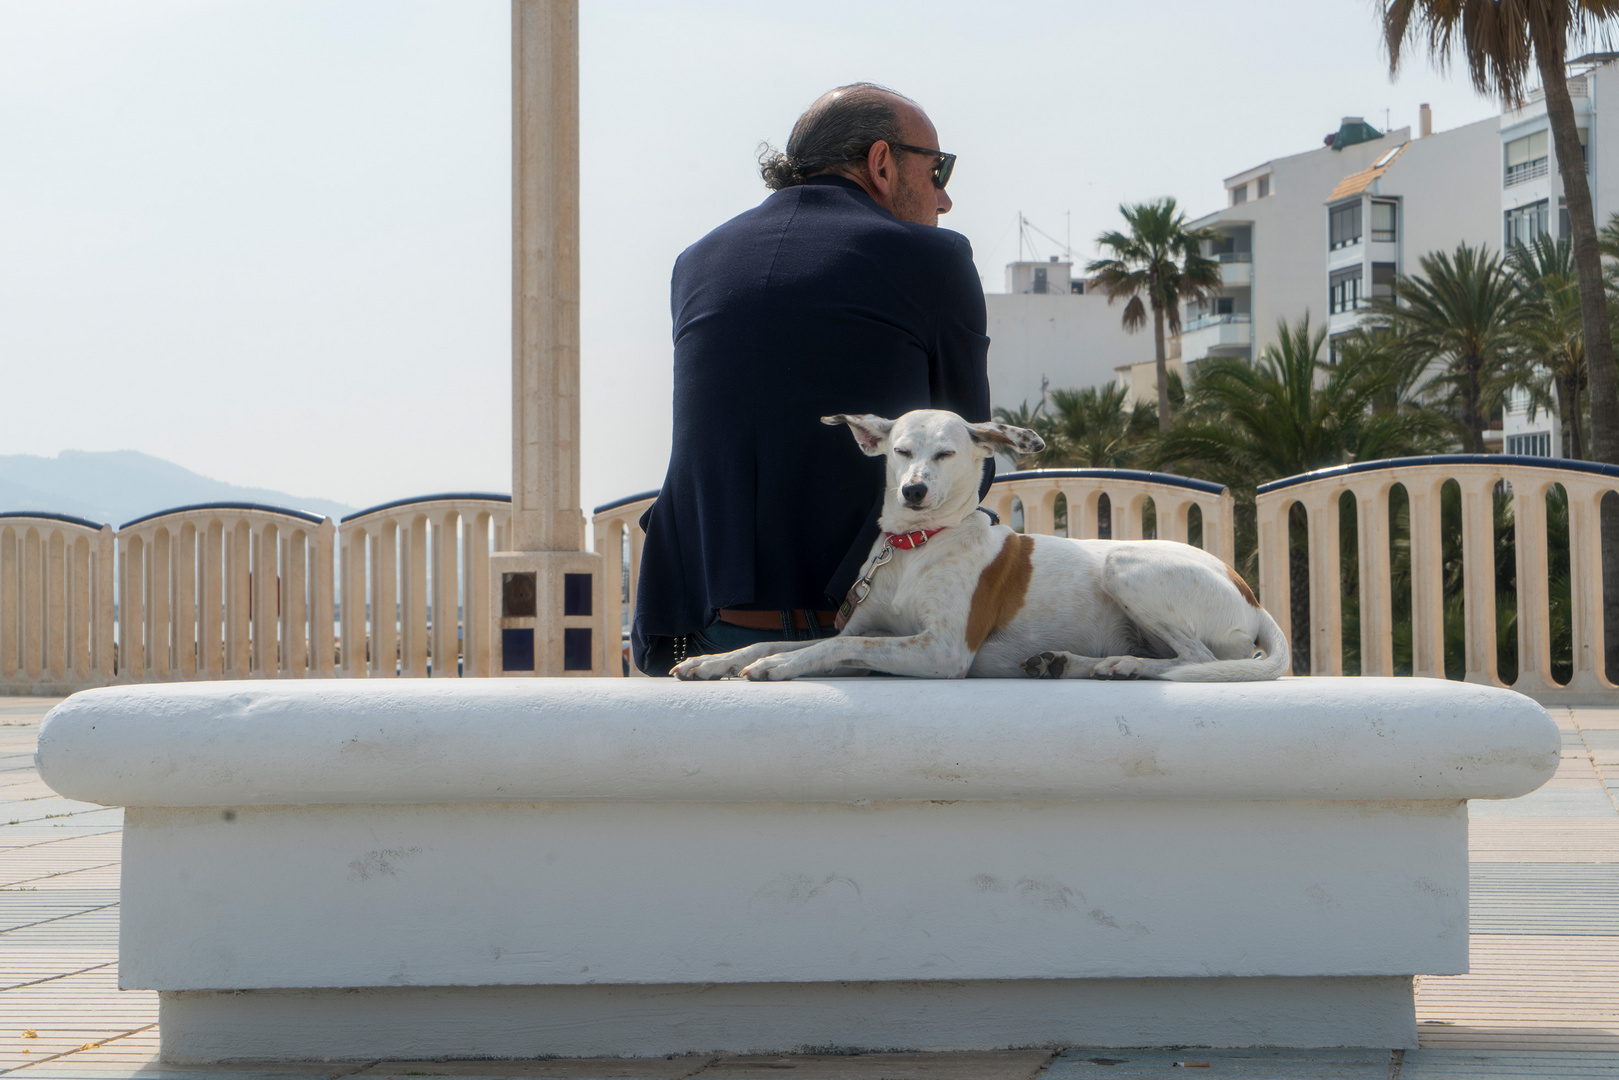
x: 1236, y: 269
x: 1216, y: 333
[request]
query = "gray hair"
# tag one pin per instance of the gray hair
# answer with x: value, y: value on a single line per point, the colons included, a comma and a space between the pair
x: 838, y: 129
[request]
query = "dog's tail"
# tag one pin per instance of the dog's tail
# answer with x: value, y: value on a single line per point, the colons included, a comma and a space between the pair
x: 1273, y: 660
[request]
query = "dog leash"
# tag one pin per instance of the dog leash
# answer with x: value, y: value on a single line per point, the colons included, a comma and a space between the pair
x: 861, y: 589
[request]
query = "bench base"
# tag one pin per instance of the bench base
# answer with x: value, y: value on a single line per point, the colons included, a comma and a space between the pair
x: 651, y: 1020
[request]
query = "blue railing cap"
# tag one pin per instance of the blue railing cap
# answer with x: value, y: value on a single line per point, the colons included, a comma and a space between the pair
x: 626, y: 500
x: 1139, y: 475
x: 257, y: 507
x: 68, y: 518
x: 1521, y: 460
x: 451, y: 496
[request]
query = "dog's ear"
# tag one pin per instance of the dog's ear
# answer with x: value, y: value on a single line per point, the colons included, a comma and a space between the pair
x: 1020, y: 439
x: 869, y: 431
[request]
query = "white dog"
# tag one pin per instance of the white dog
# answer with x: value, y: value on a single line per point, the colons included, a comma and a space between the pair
x: 946, y: 594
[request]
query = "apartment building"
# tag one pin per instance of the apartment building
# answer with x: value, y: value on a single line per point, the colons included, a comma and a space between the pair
x: 1048, y: 330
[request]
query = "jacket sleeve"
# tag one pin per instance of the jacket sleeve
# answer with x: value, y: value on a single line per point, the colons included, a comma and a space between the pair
x: 958, y: 375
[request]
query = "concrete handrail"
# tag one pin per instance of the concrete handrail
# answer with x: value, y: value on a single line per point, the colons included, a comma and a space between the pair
x: 1128, y: 491
x: 56, y: 603
x: 385, y: 553
x: 615, y: 527
x: 1477, y: 476
x: 838, y: 741
x: 225, y: 590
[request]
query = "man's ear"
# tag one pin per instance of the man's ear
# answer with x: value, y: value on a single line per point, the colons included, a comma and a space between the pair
x: 869, y: 431
x: 1020, y: 439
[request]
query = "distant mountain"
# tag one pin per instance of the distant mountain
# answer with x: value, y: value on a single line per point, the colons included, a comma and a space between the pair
x: 122, y: 485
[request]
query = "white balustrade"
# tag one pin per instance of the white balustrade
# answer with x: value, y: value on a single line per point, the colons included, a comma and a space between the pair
x: 399, y: 620
x: 225, y: 591
x: 1036, y: 492
x: 617, y: 537
x: 56, y: 603
x: 1478, y: 477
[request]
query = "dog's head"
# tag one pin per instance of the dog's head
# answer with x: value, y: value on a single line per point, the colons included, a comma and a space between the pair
x: 934, y: 461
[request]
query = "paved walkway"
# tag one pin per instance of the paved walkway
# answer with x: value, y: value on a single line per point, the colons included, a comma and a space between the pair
x: 1542, y: 1001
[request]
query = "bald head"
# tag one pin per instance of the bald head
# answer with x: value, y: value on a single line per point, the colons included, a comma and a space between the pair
x: 854, y: 131
x: 838, y: 130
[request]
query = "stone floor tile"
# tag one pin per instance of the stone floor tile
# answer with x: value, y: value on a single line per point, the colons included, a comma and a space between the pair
x: 1002, y: 1065
x: 1260, y: 1064
x: 675, y: 1068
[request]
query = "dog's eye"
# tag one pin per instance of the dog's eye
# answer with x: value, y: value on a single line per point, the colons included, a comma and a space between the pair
x: 902, y: 453
x: 942, y: 454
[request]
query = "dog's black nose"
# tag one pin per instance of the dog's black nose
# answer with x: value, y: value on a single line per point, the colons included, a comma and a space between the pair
x: 914, y: 493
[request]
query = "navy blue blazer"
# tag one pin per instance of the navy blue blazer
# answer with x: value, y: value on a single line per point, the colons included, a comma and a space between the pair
x: 817, y: 301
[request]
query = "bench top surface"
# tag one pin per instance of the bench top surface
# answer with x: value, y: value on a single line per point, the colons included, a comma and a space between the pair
x: 840, y: 740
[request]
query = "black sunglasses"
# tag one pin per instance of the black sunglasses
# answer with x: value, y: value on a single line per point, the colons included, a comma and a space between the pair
x: 942, y: 166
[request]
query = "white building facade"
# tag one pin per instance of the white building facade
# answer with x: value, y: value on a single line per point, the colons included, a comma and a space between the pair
x: 1048, y: 330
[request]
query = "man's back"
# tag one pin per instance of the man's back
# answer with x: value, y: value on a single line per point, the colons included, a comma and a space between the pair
x: 816, y: 302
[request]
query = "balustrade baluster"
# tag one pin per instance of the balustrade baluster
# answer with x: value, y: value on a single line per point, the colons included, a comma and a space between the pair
x: 1586, y: 584
x: 1427, y: 578
x: 239, y: 600
x: 56, y: 607
x: 413, y: 597
x: 185, y: 602
x: 33, y: 613
x: 477, y: 622
x: 1275, y: 584
x: 446, y: 549
x: 266, y: 544
x: 81, y: 635
x: 1326, y: 584
x: 212, y: 622
x: 1534, y: 594
x: 385, y: 601
x: 132, y: 611
x: 10, y: 609
x: 1376, y: 592
x: 322, y: 621
x: 159, y: 624
x: 296, y: 654
x: 1478, y: 577
x: 101, y: 603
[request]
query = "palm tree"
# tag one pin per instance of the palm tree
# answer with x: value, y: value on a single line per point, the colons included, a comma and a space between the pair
x: 1040, y: 422
x: 1161, y: 259
x: 1290, y: 413
x: 1499, y: 40
x: 1553, y: 341
x: 1095, y: 429
x: 1464, y: 313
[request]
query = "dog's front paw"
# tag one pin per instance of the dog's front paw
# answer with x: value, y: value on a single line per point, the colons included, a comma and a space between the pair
x: 706, y: 667
x: 1047, y: 665
x: 769, y: 669
x: 1119, y: 667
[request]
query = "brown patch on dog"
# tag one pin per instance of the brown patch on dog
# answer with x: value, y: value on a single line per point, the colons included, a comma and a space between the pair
x: 1242, y: 587
x: 1001, y: 588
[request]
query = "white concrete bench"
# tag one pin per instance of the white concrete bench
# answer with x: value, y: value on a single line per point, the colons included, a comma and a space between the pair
x: 353, y: 869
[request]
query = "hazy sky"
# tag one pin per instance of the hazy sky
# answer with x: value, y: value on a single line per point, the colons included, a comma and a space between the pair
x: 270, y: 240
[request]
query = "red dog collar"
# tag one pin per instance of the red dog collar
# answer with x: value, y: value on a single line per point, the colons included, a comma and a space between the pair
x: 907, y: 541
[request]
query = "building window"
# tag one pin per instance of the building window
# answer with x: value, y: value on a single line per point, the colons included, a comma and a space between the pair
x: 1534, y: 444
x: 1239, y: 194
x: 1224, y: 305
x: 1077, y: 287
x: 1562, y: 218
x: 1383, y: 215
x: 1039, y: 279
x: 1344, y: 291
x: 1383, y: 281
x: 1526, y: 158
x: 1343, y: 225
x: 1525, y: 223
x: 1264, y: 187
